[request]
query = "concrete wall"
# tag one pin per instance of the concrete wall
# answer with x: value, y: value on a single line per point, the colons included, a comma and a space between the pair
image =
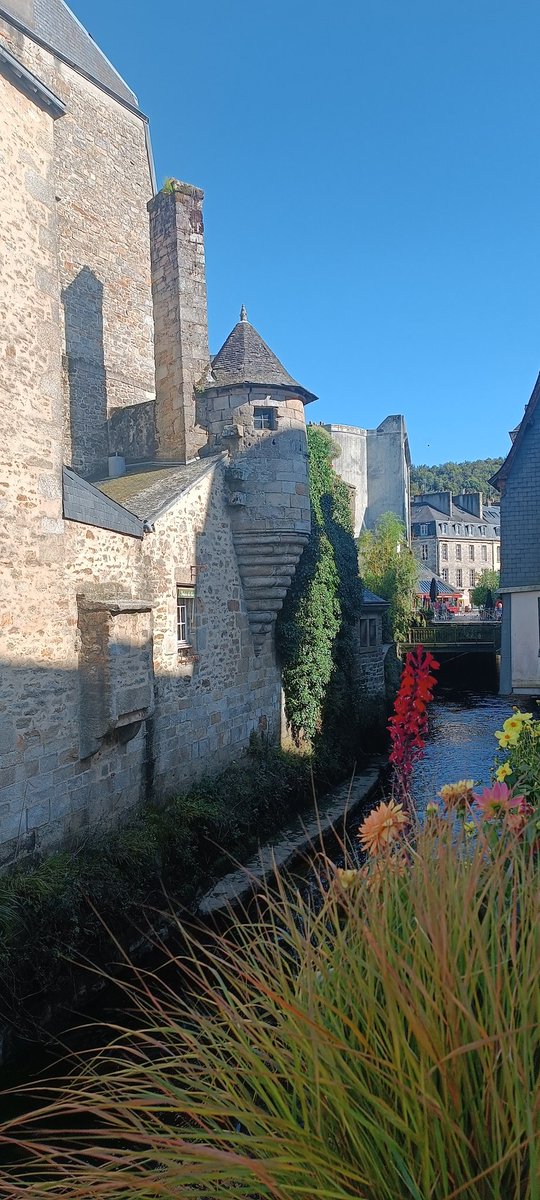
x: 375, y: 463
x: 351, y: 465
x: 99, y: 184
x: 525, y: 643
x: 388, y: 472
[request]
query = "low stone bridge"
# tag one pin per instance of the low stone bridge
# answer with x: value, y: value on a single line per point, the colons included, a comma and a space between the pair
x: 457, y: 637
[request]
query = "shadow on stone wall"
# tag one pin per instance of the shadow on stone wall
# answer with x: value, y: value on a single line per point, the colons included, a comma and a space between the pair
x: 94, y: 434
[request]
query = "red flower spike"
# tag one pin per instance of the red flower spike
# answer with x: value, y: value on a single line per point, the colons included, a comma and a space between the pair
x: 408, y: 724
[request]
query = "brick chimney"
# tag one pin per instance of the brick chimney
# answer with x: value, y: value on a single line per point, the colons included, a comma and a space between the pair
x: 180, y: 316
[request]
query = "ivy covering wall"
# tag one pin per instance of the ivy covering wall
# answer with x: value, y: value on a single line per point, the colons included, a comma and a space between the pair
x: 325, y: 599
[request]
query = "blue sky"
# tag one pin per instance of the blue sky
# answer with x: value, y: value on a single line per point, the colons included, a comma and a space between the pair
x: 372, y: 180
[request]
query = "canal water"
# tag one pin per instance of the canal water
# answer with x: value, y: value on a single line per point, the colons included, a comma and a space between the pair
x: 461, y: 742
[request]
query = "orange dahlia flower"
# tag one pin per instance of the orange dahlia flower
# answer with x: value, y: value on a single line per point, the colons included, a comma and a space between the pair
x: 382, y: 826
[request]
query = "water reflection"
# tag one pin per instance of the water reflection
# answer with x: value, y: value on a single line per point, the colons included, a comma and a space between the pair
x: 461, y: 742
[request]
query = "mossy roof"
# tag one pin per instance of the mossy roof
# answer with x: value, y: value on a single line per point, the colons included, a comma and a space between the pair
x: 148, y: 491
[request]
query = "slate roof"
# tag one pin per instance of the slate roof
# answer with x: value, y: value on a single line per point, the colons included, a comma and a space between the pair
x: 149, y: 491
x: 54, y: 24
x: 369, y: 598
x: 245, y: 359
x: 517, y: 436
x: 443, y: 589
x: 425, y: 514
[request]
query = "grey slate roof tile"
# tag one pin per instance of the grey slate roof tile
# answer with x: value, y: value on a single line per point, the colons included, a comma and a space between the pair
x: 53, y: 23
x: 149, y: 491
x: 245, y: 359
x: 83, y: 502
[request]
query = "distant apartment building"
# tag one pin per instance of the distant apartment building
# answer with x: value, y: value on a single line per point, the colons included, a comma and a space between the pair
x: 376, y: 464
x: 456, y: 537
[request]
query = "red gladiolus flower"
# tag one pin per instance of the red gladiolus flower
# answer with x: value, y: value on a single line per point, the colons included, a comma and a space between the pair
x: 409, y: 723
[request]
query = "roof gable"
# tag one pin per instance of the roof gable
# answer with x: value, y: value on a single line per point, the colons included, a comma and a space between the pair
x: 498, y: 480
x: 53, y: 24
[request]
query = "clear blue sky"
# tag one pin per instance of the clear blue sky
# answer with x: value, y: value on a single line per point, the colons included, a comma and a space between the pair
x: 372, y: 180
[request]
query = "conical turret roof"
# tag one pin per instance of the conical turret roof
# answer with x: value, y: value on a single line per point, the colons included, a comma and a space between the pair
x: 245, y: 358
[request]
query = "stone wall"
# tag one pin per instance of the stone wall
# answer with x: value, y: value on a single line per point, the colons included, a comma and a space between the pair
x: 180, y: 317
x: 99, y: 185
x: 375, y: 463
x: 103, y: 709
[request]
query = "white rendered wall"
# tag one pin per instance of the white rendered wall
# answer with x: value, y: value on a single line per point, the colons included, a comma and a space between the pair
x: 525, y: 643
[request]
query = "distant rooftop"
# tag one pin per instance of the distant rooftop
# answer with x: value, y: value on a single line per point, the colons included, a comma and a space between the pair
x: 53, y: 24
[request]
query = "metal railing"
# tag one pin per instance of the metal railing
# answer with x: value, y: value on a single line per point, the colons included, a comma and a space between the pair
x: 457, y: 633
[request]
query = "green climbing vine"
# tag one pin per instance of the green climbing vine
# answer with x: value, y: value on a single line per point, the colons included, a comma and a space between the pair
x: 325, y: 598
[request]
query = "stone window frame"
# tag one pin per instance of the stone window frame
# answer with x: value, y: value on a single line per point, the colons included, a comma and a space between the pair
x: 458, y: 553
x: 459, y: 577
x: 444, y: 551
x: 266, y: 415
x: 444, y: 574
x: 484, y: 554
x: 472, y: 578
x: 471, y: 552
x: 185, y: 618
x: 425, y: 551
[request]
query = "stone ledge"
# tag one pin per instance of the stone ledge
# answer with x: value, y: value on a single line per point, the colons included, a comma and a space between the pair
x: 292, y: 844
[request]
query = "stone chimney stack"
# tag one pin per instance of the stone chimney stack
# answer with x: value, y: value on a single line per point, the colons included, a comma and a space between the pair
x: 472, y: 503
x: 180, y: 316
x: 440, y: 500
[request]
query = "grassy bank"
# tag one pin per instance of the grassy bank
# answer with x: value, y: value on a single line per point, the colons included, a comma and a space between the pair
x: 54, y: 913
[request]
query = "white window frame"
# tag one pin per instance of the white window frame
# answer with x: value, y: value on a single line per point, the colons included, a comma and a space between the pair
x: 458, y: 553
x: 423, y: 531
x: 444, y: 574
x: 459, y: 577
x: 472, y: 579
x: 185, y: 616
x: 484, y: 553
x: 471, y: 553
x: 425, y: 551
x: 444, y: 551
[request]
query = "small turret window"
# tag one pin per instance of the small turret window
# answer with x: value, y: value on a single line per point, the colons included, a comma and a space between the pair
x: 264, y: 418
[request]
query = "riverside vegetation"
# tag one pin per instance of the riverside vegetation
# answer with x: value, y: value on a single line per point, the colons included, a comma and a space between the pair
x: 380, y: 1043
x: 54, y: 913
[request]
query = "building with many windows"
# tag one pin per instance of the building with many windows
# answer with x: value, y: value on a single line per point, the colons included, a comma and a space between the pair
x: 456, y: 537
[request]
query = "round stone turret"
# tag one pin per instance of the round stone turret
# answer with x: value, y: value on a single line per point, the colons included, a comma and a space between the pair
x: 251, y: 407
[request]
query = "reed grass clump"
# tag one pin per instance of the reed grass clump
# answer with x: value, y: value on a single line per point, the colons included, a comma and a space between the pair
x: 381, y: 1043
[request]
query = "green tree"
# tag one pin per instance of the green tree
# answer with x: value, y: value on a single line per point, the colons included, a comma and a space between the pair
x: 389, y: 569
x: 325, y: 598
x: 455, y: 477
x: 489, y: 582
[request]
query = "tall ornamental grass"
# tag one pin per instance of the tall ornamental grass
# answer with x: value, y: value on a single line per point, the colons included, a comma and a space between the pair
x: 381, y: 1043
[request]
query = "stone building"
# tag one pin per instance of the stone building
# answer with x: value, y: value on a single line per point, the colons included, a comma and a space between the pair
x: 376, y: 464
x: 456, y: 537
x: 518, y: 481
x: 136, y: 611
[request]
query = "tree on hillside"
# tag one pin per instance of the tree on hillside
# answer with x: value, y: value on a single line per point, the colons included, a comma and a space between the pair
x: 471, y: 476
x: 390, y: 570
x: 488, y: 582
